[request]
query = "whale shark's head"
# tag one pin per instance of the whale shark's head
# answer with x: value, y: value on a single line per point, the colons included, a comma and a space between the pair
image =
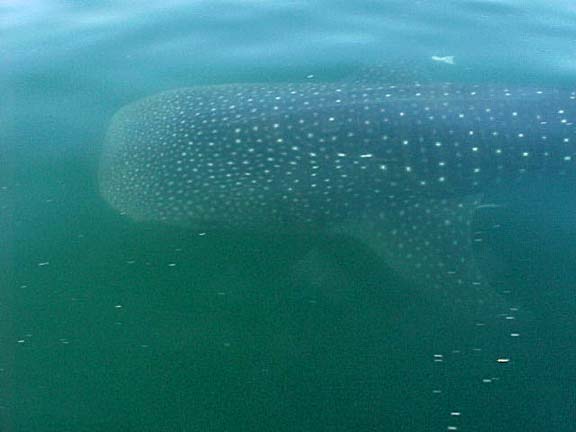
x: 190, y: 157
x: 232, y: 157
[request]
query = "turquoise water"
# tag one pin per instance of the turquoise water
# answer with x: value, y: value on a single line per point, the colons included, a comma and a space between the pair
x: 111, y: 325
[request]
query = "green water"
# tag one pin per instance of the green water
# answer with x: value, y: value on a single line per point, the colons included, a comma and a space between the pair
x: 111, y: 325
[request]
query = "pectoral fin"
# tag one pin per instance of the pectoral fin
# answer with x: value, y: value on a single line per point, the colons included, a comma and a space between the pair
x: 428, y: 242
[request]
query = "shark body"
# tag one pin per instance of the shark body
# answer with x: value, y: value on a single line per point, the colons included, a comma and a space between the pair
x: 400, y: 167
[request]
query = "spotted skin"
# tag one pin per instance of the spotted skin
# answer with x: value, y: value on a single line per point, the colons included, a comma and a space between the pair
x: 400, y: 167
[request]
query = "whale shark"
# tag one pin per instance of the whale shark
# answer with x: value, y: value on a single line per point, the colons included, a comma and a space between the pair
x: 402, y: 168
